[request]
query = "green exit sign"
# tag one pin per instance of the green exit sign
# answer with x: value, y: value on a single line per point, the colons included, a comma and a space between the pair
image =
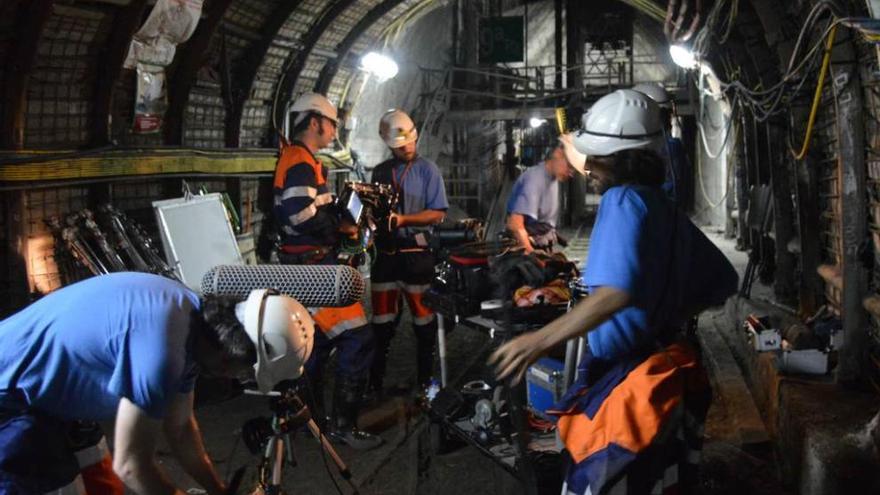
x: 501, y: 39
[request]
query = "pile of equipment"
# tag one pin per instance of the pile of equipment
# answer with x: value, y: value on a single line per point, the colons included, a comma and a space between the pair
x: 88, y: 244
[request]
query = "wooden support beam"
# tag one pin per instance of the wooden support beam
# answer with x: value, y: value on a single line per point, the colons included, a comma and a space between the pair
x: 577, y: 187
x: 31, y: 20
x: 328, y: 72
x: 784, y: 281
x: 245, y: 75
x: 291, y: 75
x: 851, y: 148
x: 109, y: 70
x: 190, y: 56
x: 115, y: 163
x: 16, y: 279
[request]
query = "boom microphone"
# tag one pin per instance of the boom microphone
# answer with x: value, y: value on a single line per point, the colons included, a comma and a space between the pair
x: 318, y: 286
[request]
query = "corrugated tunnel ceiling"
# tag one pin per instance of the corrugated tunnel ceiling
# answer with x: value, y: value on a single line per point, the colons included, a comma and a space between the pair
x: 64, y: 66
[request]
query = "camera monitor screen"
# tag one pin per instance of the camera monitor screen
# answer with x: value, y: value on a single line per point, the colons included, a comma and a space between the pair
x: 355, y: 208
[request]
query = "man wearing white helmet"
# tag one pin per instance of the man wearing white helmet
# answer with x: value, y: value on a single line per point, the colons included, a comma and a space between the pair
x: 311, y: 232
x: 404, y: 259
x: 632, y: 420
x: 673, y: 152
x: 533, y: 206
x: 128, y: 347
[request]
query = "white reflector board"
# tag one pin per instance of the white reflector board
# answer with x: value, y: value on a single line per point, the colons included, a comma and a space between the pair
x: 196, y: 236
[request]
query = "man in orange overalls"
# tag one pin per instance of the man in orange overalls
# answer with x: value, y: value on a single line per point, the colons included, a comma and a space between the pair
x: 310, y: 231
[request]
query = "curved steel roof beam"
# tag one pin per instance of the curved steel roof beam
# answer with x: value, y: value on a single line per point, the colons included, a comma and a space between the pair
x: 245, y: 75
x: 32, y: 18
x: 328, y: 72
x: 291, y: 75
x: 192, y: 55
x: 125, y: 25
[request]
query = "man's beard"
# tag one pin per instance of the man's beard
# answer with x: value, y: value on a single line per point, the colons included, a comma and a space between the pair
x: 407, y: 157
x: 600, y: 185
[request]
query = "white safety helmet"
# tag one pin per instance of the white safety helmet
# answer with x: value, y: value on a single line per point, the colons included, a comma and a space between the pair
x: 574, y: 157
x: 622, y: 120
x: 654, y: 91
x: 283, y: 333
x: 397, y: 129
x: 313, y: 103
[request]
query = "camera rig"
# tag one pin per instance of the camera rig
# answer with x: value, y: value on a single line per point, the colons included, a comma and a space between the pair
x: 368, y: 207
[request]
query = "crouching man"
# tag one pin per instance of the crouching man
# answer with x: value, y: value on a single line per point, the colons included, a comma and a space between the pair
x: 128, y: 347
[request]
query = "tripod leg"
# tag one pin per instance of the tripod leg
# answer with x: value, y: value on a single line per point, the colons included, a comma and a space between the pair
x: 328, y: 447
x: 278, y: 461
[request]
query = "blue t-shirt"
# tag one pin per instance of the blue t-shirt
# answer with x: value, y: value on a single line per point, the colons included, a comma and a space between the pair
x: 75, y: 352
x: 535, y: 196
x: 643, y: 245
x: 421, y: 188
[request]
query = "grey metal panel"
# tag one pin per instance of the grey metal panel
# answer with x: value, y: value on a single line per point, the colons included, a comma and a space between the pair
x: 196, y: 236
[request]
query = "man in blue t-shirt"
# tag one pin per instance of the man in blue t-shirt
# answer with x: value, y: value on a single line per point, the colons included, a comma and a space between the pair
x: 533, y: 206
x: 404, y: 260
x: 634, y: 416
x: 125, y: 347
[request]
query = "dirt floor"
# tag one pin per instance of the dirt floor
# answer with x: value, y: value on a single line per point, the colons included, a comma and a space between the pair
x: 406, y: 464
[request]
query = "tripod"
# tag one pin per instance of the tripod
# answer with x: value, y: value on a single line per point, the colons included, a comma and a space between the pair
x: 273, y: 438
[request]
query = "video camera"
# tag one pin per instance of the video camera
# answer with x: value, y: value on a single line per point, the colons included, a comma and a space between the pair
x: 368, y: 207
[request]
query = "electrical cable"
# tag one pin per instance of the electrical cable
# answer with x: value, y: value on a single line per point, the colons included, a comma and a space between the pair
x: 712, y: 205
x: 817, y: 98
x: 702, y: 131
x: 766, y: 102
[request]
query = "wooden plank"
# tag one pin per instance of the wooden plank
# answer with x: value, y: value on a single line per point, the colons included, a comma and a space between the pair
x: 728, y: 382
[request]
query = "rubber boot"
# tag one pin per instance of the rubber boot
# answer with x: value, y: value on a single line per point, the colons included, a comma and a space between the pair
x: 383, y: 333
x: 426, y: 342
x: 346, y: 405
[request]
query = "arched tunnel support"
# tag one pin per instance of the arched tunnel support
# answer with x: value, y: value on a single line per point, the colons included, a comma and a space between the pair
x: 19, y: 64
x: 124, y: 28
x: 247, y: 73
x: 184, y: 76
x: 291, y: 75
x: 332, y: 66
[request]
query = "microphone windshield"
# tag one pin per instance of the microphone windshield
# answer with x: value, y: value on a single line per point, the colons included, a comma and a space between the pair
x: 318, y: 286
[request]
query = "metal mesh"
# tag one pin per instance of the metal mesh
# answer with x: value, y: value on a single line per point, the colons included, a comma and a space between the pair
x: 313, y: 286
x: 205, y: 116
x: 60, y: 88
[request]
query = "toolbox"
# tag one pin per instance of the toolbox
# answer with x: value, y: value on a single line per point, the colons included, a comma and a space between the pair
x: 545, y: 386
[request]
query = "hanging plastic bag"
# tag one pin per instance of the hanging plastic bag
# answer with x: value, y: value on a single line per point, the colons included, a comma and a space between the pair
x: 149, y: 102
x: 171, y: 22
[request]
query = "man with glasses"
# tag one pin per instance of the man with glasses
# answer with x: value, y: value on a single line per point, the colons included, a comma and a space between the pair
x: 310, y: 234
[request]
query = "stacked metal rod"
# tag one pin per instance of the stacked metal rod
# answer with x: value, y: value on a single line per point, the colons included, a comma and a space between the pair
x: 87, y: 244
